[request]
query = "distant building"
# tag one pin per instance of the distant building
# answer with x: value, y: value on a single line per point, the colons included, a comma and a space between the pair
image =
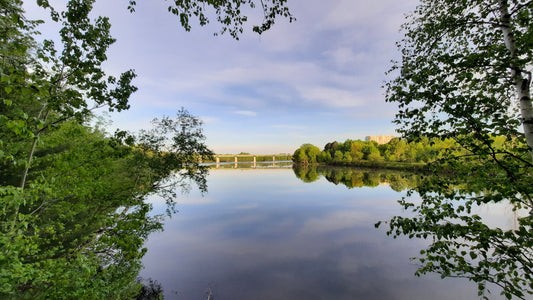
x: 380, y: 139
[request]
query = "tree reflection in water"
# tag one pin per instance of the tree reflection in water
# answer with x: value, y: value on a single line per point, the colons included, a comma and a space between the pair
x: 354, y: 177
x: 466, y: 242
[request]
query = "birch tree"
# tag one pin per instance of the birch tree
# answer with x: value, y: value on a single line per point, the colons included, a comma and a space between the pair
x: 465, y: 74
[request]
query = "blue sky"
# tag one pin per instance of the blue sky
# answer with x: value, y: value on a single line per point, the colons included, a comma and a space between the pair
x: 312, y: 81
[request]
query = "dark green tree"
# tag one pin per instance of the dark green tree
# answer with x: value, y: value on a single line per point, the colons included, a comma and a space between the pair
x: 331, y: 148
x: 465, y: 74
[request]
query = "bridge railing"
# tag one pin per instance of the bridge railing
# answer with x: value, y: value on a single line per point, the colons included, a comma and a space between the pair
x: 225, y: 158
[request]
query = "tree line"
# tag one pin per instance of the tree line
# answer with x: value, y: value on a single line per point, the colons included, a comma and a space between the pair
x: 350, y: 152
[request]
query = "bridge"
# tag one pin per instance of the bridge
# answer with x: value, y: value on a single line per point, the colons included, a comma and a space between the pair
x: 252, y: 159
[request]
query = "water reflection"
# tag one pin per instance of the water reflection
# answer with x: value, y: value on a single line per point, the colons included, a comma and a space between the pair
x: 265, y: 234
x: 251, y: 165
x: 354, y: 177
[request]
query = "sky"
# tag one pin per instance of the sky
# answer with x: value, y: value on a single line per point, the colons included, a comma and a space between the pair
x: 316, y: 80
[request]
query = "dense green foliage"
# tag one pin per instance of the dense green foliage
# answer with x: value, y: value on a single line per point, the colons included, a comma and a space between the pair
x: 78, y: 226
x: 354, y: 152
x: 465, y: 73
x: 77, y: 229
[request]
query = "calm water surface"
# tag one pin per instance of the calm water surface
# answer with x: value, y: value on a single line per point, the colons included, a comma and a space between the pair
x: 265, y: 234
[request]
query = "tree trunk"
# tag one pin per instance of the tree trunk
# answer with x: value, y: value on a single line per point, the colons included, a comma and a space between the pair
x: 521, y: 78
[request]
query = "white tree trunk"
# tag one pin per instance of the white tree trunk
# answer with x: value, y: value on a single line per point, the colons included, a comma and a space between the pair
x: 521, y: 78
x: 526, y: 108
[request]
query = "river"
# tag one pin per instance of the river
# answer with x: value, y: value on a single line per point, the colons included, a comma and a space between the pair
x: 264, y: 233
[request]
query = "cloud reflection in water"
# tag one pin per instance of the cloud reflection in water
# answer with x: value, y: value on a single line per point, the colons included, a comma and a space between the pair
x: 264, y: 234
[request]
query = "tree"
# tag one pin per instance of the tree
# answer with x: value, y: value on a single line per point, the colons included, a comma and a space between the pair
x: 306, y: 154
x: 370, y: 152
x: 465, y: 74
x: 312, y: 153
x: 337, y: 157
x: 356, y: 150
x: 398, y: 148
x: 80, y: 228
x: 325, y: 156
x: 347, y: 157
x: 230, y: 14
x: 331, y: 148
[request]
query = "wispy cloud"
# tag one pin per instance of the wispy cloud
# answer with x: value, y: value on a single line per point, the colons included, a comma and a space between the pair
x: 297, y: 127
x: 246, y: 113
x: 315, y: 79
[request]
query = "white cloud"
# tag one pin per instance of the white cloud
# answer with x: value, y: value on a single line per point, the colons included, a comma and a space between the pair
x: 296, y: 127
x: 246, y: 113
x: 327, y: 68
x: 312, y: 81
x: 380, y: 15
